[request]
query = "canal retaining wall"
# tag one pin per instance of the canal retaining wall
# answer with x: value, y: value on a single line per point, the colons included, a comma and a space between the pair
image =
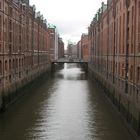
x: 126, y: 104
x: 12, y: 92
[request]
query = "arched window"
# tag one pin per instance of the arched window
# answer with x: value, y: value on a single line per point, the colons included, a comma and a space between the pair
x: 13, y: 63
x: 10, y: 66
x: 22, y: 62
x: 16, y: 63
x: 138, y: 74
x: 6, y: 67
x: 19, y: 63
x: 0, y: 67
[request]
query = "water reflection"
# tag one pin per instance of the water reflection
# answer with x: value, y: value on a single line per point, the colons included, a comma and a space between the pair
x: 70, y: 72
x: 67, y: 107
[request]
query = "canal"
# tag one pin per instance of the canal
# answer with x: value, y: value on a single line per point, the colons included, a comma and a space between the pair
x: 66, y: 106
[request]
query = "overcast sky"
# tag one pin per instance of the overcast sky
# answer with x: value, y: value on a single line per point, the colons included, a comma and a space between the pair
x: 71, y: 17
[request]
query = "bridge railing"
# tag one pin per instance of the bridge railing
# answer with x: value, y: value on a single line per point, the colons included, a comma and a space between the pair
x: 69, y: 60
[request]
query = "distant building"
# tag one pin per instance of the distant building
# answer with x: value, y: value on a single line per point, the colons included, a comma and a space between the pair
x: 72, y: 50
x: 85, y: 47
x: 51, y: 33
x: 69, y: 50
x: 53, y: 41
x: 83, y: 50
x: 79, y: 50
x: 60, y: 48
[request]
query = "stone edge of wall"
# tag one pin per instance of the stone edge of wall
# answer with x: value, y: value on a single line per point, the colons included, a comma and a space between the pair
x: 11, y: 94
x: 130, y: 119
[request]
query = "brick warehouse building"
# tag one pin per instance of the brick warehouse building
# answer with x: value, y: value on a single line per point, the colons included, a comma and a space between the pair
x: 23, y: 46
x: 85, y: 47
x: 114, y: 38
x: 51, y: 32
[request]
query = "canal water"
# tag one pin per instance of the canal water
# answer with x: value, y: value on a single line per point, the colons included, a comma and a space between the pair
x: 66, y: 106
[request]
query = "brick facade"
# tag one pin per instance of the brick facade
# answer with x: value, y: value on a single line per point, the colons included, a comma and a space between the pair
x: 51, y: 35
x: 23, y: 45
x: 85, y: 47
x: 114, y: 38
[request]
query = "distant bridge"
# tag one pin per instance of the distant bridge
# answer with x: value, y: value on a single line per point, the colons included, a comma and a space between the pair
x: 59, y: 61
x: 84, y: 64
x: 62, y: 62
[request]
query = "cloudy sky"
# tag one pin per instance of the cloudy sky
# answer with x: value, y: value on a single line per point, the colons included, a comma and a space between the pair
x: 71, y: 17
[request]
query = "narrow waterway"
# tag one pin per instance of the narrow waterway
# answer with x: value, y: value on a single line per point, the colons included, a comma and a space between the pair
x: 67, y: 106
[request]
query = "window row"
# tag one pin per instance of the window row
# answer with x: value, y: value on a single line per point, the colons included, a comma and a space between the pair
x: 11, y: 64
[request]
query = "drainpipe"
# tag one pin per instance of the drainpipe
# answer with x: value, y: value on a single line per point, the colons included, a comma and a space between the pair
x: 38, y: 43
x: 3, y: 98
x: 135, y: 37
x: 108, y: 37
x: 135, y: 44
x: 127, y: 49
x: 32, y: 40
x: 114, y: 16
x: 99, y: 34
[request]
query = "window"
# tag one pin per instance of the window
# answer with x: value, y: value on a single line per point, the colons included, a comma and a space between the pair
x: 128, y: 35
x: 22, y: 62
x: 131, y: 72
x: 10, y: 11
x: 10, y: 48
x: 6, y: 11
x: 138, y: 74
x: 6, y: 68
x: 119, y: 68
x: 16, y: 63
x: 10, y: 24
x: 0, y: 4
x: 10, y: 36
x: 0, y: 21
x: 6, y: 23
x: 10, y: 78
x: 0, y: 47
x: 10, y: 66
x: 128, y: 17
x: 19, y: 63
x: 123, y: 70
x: 0, y: 67
x: 0, y: 36
x: 139, y: 26
x: 13, y: 63
x: 139, y: 47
